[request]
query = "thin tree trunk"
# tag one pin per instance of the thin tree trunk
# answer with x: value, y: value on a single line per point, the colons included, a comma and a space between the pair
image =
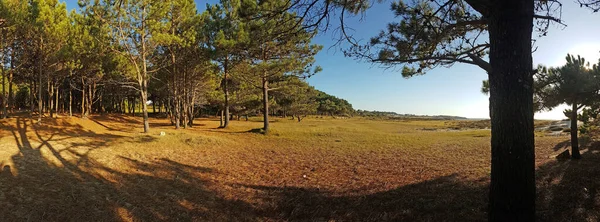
x: 226, y: 91
x: 265, y: 89
x: 51, y: 98
x: 574, y: 141
x: 70, y: 100
x: 57, y: 97
x: 145, y: 108
x: 11, y: 97
x: 512, y: 186
x: 32, y: 89
x: 83, y: 113
x: 40, y: 83
x: 4, y: 99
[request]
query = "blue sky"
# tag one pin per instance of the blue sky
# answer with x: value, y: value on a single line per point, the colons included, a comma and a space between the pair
x: 447, y: 91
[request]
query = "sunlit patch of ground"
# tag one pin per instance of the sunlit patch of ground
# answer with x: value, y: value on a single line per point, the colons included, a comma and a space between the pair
x: 104, y: 169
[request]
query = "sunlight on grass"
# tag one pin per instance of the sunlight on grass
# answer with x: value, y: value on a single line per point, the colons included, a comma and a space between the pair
x: 204, y: 172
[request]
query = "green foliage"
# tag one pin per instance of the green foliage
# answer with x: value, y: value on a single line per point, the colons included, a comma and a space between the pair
x: 576, y: 82
x: 331, y: 105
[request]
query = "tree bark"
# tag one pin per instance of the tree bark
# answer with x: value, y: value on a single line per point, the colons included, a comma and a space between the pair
x: 145, y: 107
x: 40, y: 64
x: 221, y: 119
x: 226, y: 92
x: 265, y: 89
x: 512, y: 187
x: 50, y: 98
x: 32, y: 88
x: 70, y: 100
x: 4, y: 99
x: 575, y: 154
x: 83, y: 113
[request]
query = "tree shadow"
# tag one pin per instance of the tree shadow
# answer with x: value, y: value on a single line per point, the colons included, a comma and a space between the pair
x: 568, y: 191
x: 445, y: 198
x: 55, y: 179
x: 44, y: 182
x: 562, y: 145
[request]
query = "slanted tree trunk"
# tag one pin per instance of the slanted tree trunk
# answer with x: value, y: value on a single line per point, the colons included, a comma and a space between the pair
x: 574, y: 140
x: 512, y: 187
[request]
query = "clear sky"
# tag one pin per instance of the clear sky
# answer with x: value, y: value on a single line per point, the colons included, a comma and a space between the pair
x: 443, y: 91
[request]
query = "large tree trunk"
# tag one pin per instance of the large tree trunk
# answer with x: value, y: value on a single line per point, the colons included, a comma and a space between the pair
x: 574, y: 141
x: 265, y: 89
x: 512, y: 187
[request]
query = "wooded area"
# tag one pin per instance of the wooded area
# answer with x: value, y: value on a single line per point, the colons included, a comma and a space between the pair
x: 159, y: 57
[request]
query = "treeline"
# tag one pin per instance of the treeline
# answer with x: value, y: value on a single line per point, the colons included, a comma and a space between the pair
x: 236, y: 58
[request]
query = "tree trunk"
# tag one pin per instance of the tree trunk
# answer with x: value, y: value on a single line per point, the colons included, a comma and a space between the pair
x: 145, y: 107
x: 265, y: 89
x: 512, y: 187
x: 11, y: 97
x: 32, y: 89
x: 70, y: 101
x: 226, y: 91
x: 57, y: 97
x: 4, y: 99
x: 40, y: 87
x: 221, y: 119
x: 83, y: 113
x: 574, y: 141
x: 51, y: 98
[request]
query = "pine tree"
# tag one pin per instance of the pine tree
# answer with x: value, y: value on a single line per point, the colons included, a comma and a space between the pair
x: 276, y: 51
x: 576, y: 84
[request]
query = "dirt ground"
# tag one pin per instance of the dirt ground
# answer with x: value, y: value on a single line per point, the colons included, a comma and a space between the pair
x: 104, y: 169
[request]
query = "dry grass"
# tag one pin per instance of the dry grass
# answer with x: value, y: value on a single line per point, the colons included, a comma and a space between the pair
x: 104, y: 169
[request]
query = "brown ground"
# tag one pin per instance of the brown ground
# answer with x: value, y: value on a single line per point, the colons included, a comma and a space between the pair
x: 104, y: 169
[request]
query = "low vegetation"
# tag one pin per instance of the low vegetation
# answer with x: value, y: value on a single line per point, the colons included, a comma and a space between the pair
x: 322, y: 169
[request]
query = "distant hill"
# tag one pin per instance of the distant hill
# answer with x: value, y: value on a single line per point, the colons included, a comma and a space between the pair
x: 393, y: 115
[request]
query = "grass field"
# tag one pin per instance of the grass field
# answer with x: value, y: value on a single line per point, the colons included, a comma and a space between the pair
x: 105, y: 169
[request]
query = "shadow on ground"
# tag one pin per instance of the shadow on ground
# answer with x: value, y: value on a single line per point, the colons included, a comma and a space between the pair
x: 37, y: 189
